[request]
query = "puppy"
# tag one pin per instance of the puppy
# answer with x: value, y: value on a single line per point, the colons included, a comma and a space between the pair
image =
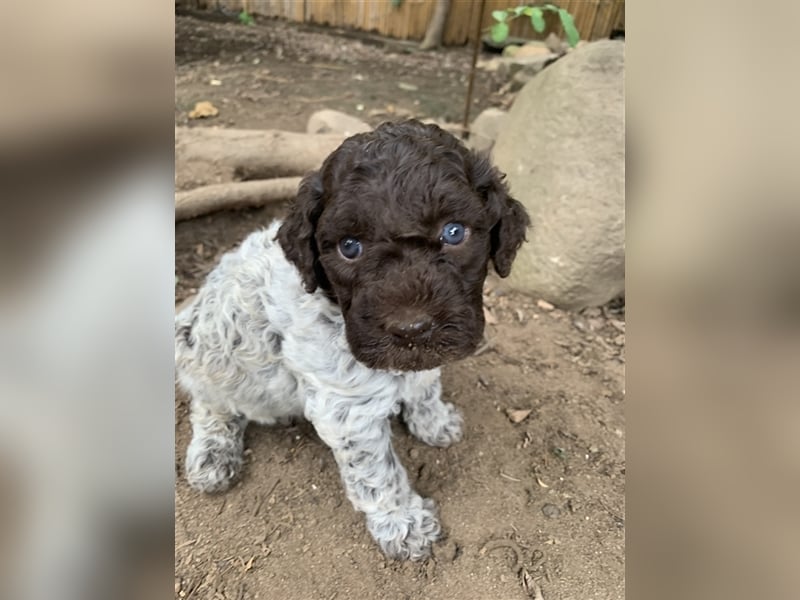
x: 343, y: 314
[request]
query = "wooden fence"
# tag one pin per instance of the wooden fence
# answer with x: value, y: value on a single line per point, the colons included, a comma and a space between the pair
x: 408, y: 19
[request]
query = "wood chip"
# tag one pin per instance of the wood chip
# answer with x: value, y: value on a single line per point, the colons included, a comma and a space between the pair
x: 490, y: 318
x: 518, y: 415
x: 203, y: 110
x: 544, y: 305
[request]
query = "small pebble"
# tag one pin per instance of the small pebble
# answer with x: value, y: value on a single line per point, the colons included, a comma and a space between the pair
x: 446, y: 552
x: 413, y: 453
x: 551, y: 511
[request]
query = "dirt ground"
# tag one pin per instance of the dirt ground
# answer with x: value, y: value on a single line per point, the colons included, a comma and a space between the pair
x: 529, y: 507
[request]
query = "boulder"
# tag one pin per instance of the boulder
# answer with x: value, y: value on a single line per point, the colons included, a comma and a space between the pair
x: 562, y: 146
x: 333, y: 121
x: 484, y: 129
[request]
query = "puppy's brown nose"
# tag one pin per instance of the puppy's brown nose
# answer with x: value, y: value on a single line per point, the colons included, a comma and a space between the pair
x: 409, y: 324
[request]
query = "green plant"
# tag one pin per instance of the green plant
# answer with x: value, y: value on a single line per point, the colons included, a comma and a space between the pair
x: 499, y: 31
x: 245, y: 18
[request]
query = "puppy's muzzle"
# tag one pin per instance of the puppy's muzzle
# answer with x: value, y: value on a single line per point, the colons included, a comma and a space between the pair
x: 409, y: 323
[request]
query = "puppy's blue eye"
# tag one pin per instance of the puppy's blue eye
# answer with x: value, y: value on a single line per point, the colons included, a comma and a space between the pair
x: 350, y: 248
x: 453, y: 234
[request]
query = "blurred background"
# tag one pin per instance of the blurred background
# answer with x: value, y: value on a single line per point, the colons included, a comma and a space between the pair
x: 86, y: 383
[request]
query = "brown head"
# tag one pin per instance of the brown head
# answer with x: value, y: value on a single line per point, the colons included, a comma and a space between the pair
x: 398, y: 227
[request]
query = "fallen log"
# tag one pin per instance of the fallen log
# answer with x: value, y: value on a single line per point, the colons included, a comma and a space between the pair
x: 208, y: 154
x: 228, y: 196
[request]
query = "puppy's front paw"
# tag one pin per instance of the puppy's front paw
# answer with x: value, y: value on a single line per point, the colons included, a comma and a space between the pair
x: 408, y: 532
x: 440, y: 427
x: 213, y: 463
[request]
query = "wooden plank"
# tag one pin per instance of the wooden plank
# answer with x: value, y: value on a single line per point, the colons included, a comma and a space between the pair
x: 395, y: 16
x: 318, y: 12
x: 373, y: 16
x: 605, y: 22
x: 583, y: 12
x: 619, y: 17
x: 423, y: 12
x: 459, y: 22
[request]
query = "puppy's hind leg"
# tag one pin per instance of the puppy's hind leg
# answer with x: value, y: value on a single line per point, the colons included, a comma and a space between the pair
x: 214, y: 457
x: 429, y: 419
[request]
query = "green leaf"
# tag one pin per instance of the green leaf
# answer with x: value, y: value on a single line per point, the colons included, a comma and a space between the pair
x: 499, y: 32
x: 573, y: 37
x: 246, y: 18
x: 552, y: 7
x: 499, y: 15
x: 519, y: 10
x: 537, y: 19
x: 527, y: 10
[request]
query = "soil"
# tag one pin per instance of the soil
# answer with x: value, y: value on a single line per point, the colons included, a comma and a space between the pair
x: 529, y: 507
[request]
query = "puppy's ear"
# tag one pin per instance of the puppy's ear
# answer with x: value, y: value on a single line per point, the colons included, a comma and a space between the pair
x: 509, y: 216
x: 296, y: 234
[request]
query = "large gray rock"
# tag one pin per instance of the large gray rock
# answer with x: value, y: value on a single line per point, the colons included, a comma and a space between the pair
x: 333, y: 121
x: 484, y: 129
x: 562, y: 146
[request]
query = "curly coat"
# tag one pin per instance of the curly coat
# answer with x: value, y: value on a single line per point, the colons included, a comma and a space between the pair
x: 287, y: 326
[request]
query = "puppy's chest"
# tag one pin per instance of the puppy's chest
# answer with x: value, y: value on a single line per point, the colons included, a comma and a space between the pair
x: 304, y: 332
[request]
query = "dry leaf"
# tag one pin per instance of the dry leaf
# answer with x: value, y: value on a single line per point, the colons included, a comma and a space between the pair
x: 517, y: 416
x: 490, y: 318
x: 544, y: 305
x: 248, y: 565
x: 202, y: 110
x: 530, y: 586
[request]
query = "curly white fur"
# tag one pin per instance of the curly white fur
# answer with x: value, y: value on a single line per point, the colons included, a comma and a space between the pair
x: 255, y: 346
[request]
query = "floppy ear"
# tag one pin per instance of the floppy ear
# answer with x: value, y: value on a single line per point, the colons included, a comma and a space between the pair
x: 296, y: 234
x: 509, y: 216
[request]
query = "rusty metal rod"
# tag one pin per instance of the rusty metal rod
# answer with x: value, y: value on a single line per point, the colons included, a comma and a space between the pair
x: 475, y: 47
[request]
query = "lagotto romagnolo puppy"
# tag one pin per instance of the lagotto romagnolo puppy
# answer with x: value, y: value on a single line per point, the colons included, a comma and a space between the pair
x: 344, y: 312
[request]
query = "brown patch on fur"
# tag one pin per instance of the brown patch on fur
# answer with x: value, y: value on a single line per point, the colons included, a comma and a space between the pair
x: 394, y: 189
